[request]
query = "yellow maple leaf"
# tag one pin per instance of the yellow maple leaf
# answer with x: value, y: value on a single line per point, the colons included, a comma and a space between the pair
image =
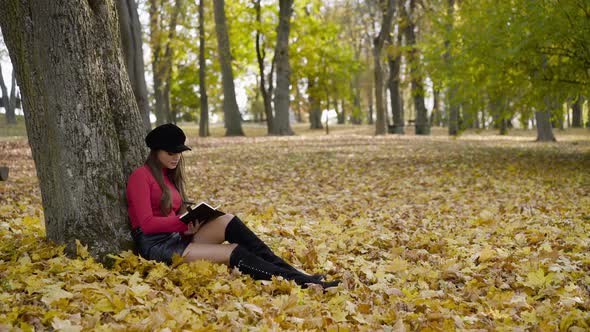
x: 486, y: 254
x: 54, y: 293
x: 81, y: 250
x: 397, y: 265
x: 65, y: 325
x: 538, y: 279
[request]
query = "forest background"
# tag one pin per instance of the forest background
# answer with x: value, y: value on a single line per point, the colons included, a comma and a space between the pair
x: 475, y: 64
x: 458, y: 221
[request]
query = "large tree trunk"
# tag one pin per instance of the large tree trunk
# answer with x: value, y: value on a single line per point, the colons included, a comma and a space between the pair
x: 388, y: 11
x: 577, y: 120
x: 83, y: 125
x: 204, y: 118
x: 393, y: 83
x: 231, y: 113
x: 132, y: 45
x: 260, y: 55
x: 417, y: 86
x: 544, y: 130
x: 281, y: 124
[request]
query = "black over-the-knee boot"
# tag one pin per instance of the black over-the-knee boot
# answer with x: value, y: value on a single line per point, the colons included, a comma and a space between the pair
x: 261, y: 269
x: 237, y: 232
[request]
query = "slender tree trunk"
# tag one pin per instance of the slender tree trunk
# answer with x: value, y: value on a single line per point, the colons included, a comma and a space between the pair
x: 204, y: 118
x: 298, y: 104
x: 131, y: 42
x: 378, y: 43
x: 397, y: 104
x: 451, y: 104
x: 315, y: 112
x: 168, y: 55
x: 355, y: 117
x: 7, y: 100
x: 12, y: 102
x: 417, y: 86
x: 260, y: 55
x: 370, y: 119
x: 157, y: 62
x: 282, y: 125
x: 577, y: 121
x: 327, y: 113
x: 435, y: 108
x: 231, y: 112
x: 341, y: 113
x: 83, y: 125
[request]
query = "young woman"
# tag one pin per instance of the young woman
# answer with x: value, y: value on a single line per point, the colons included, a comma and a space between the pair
x: 155, y: 195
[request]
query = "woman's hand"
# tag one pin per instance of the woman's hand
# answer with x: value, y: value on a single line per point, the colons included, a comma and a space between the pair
x: 193, y: 228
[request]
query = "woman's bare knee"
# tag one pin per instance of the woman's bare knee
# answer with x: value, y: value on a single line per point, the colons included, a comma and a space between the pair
x: 226, y: 218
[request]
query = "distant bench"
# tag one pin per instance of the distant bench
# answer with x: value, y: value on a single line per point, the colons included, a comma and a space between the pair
x: 3, y: 173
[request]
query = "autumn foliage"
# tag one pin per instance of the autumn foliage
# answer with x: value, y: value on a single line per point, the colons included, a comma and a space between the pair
x: 426, y: 233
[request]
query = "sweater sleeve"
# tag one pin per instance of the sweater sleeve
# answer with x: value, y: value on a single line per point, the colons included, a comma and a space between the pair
x: 140, y: 209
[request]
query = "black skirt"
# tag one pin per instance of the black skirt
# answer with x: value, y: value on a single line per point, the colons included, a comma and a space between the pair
x: 159, y: 246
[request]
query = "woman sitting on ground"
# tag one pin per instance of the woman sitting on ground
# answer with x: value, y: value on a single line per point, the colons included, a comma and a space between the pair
x: 155, y: 195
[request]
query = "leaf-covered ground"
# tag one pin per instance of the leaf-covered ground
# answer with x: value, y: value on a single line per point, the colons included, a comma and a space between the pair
x: 479, y: 233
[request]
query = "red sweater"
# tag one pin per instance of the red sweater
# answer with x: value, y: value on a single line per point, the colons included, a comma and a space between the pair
x: 143, y: 201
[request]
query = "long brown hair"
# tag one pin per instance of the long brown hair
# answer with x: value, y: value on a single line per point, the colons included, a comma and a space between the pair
x: 176, y: 176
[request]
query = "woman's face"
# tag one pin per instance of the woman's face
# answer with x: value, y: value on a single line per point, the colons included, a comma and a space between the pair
x: 168, y: 159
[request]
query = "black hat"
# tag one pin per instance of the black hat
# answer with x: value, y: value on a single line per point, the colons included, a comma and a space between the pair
x: 167, y: 137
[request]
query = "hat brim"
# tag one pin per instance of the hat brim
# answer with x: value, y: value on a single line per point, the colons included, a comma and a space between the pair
x: 177, y: 149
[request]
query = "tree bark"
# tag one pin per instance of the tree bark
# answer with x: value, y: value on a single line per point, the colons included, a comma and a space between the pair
x: 355, y: 117
x: 341, y: 112
x: 281, y: 124
x: 10, y: 111
x: 543, y: 119
x: 388, y: 9
x: 577, y: 120
x: 417, y: 86
x: 452, y: 105
x: 436, y: 115
x: 84, y: 128
x: 231, y: 112
x: 8, y: 100
x: 397, y: 105
x: 157, y: 70
x: 260, y: 55
x: 132, y: 45
x: 168, y: 55
x: 204, y: 100
x: 315, y: 112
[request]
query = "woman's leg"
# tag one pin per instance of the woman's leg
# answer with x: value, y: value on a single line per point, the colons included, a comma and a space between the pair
x: 213, y: 232
x: 239, y: 257
x: 231, y: 228
x: 237, y: 232
x: 216, y: 253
